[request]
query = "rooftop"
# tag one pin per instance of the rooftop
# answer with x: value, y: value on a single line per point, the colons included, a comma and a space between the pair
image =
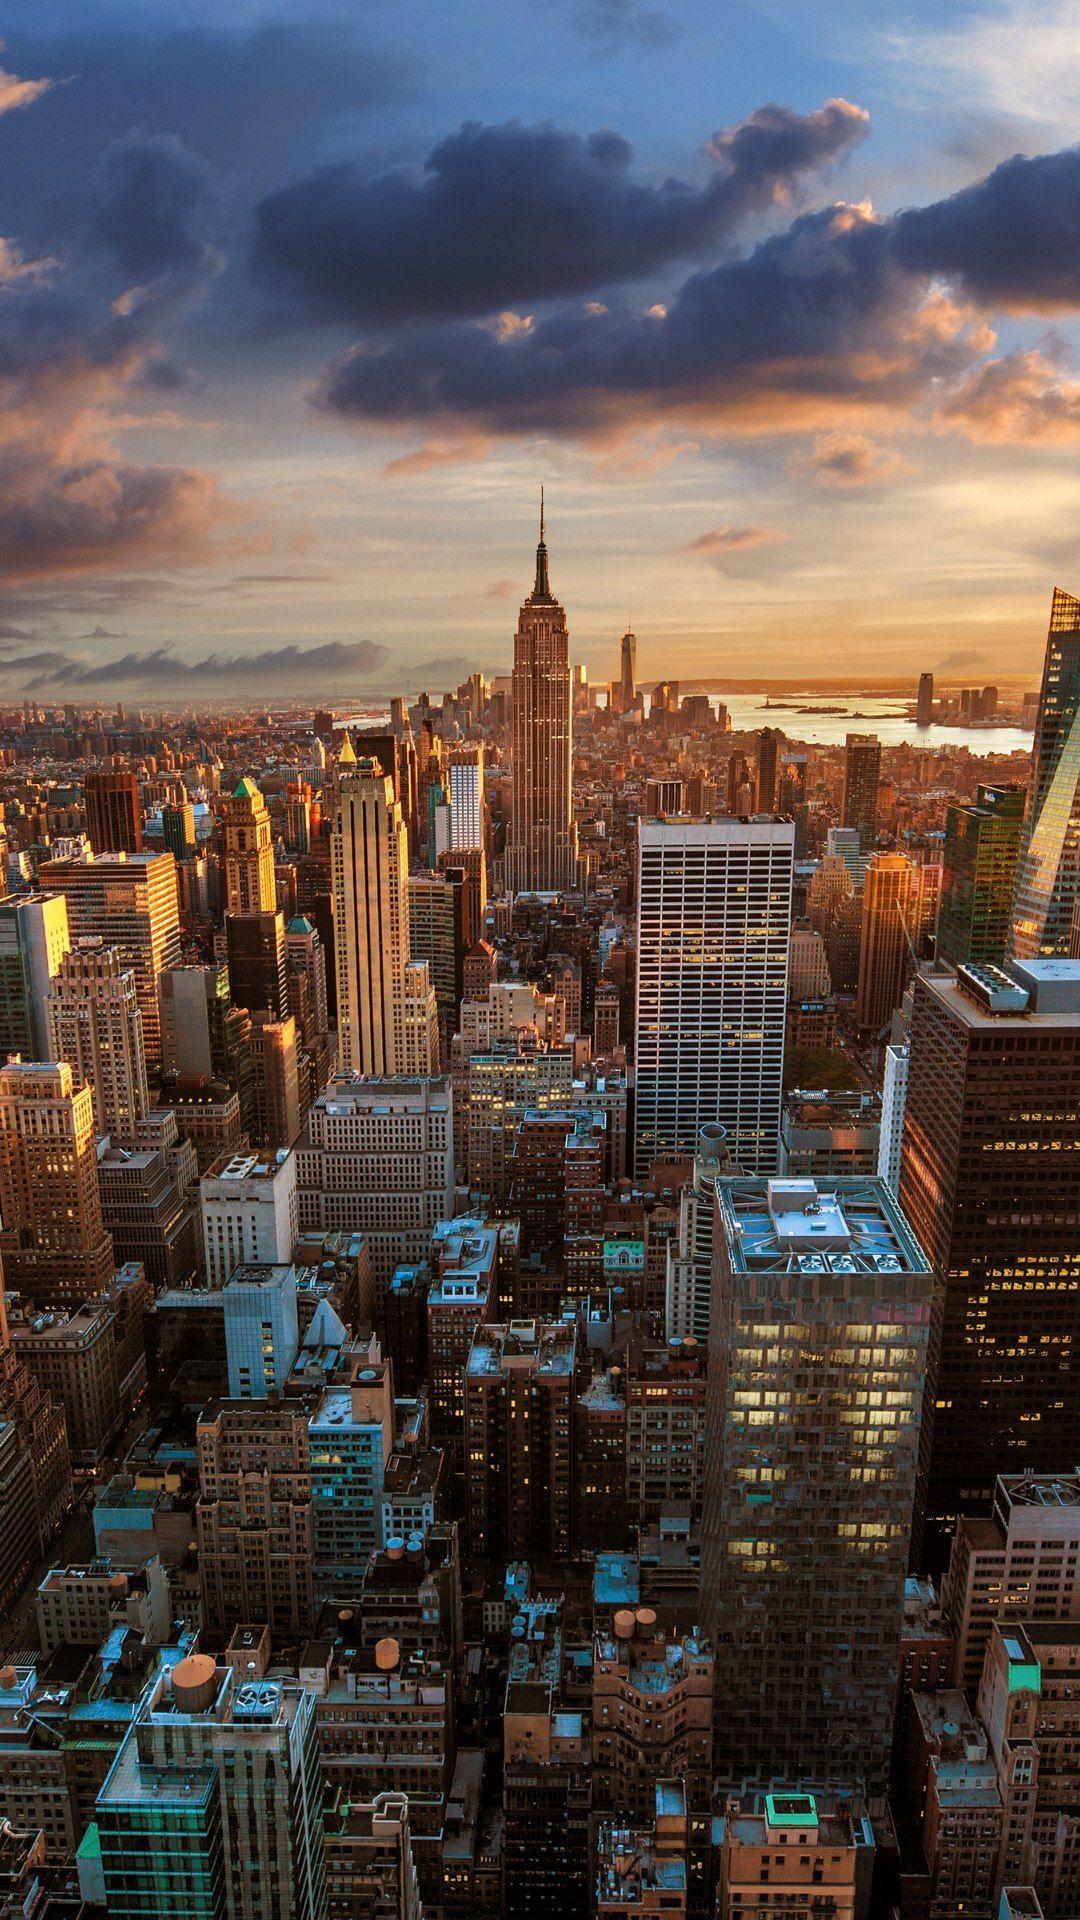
x: 841, y: 1224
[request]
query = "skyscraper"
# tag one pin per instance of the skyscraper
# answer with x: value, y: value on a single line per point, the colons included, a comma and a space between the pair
x: 888, y: 933
x: 96, y: 1026
x: 768, y: 768
x: 178, y: 829
x: 862, y: 772
x: 982, y: 846
x: 924, y: 704
x: 249, y: 852
x: 817, y: 1350
x: 130, y: 899
x: 1048, y: 876
x: 541, y: 853
x: 371, y: 913
x: 466, y: 771
x: 34, y: 938
x: 990, y: 1180
x: 113, y: 812
x: 713, y: 915
x: 628, y: 671
x: 54, y: 1242
x: 255, y: 943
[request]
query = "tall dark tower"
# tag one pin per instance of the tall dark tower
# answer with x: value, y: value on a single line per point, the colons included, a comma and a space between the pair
x: 541, y: 855
x: 628, y: 671
x: 1048, y: 876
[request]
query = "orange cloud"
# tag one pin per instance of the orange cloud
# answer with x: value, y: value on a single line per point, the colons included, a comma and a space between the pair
x: 1022, y: 396
x: 850, y: 460
x: 15, y: 93
x: 720, y: 540
x: 435, y: 453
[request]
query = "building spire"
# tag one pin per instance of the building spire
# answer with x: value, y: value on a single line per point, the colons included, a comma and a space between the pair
x: 542, y: 589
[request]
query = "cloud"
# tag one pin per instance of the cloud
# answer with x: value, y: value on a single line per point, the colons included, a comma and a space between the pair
x: 102, y: 633
x: 851, y: 460
x: 815, y: 319
x: 1017, y: 59
x: 151, y: 186
x: 435, y: 453
x: 1010, y: 240
x: 612, y: 24
x: 451, y: 668
x: 15, y: 93
x: 159, y: 667
x: 1022, y: 396
x: 501, y: 589
x: 64, y: 511
x: 962, y: 657
x: 733, y: 539
x: 501, y: 215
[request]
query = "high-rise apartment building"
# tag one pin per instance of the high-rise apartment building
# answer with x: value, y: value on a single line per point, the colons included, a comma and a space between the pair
x: 96, y: 1026
x: 893, y: 1108
x: 377, y: 1158
x: 652, y: 1713
x: 982, y: 847
x: 504, y: 1081
x: 249, y: 852
x: 817, y: 1348
x: 466, y: 771
x: 519, y: 1400
x: 34, y: 938
x: 371, y: 910
x: 54, y: 1241
x: 254, y: 1514
x: 113, y: 812
x: 129, y: 900
x: 713, y: 917
x: 1048, y: 875
x: 862, y: 776
x: 889, y: 909
x: 990, y: 1180
x: 541, y: 855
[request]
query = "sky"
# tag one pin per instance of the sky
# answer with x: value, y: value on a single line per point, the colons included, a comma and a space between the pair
x: 300, y: 303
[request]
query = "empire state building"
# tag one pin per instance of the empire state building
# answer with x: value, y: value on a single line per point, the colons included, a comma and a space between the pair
x: 541, y: 855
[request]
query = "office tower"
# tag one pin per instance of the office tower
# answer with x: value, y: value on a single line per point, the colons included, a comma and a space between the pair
x: 817, y: 1353
x: 770, y: 741
x: 276, y: 1118
x: 305, y: 953
x: 893, y: 1108
x: 38, y: 1419
x: 34, y: 938
x: 466, y: 798
x: 481, y: 964
x: 17, y: 1517
x: 541, y: 854
x: 75, y: 1603
x: 130, y: 902
x: 652, y: 1713
x: 1020, y: 1564
x: 740, y: 789
x: 886, y: 939
x: 202, y: 1033
x: 254, y: 1514
x: 808, y: 965
x: 713, y: 916
x: 664, y: 796
x: 371, y: 910
x: 54, y: 1242
x: 628, y: 671
x: 350, y: 1441
x: 689, y: 1254
x: 546, y: 1782
x: 213, y: 1805
x: 377, y: 1158
x: 250, y: 1212
x: 113, y: 813
x: 420, y: 1021
x: 995, y: 1066
x: 255, y: 943
x: 249, y: 852
x: 862, y: 774
x: 74, y: 1356
x: 178, y: 829
x: 504, y: 1081
x: 1048, y: 875
x: 844, y: 843
x: 437, y: 909
x: 261, y: 1332
x: 665, y: 1430
x: 146, y: 1210
x: 96, y: 1026
x: 982, y: 847
x: 607, y: 1003
x: 462, y: 1296
x: 924, y: 703
x: 519, y: 1402
x: 370, y: 1864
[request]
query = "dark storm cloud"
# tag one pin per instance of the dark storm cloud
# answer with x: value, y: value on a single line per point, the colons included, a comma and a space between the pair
x: 161, y: 668
x: 821, y: 311
x: 504, y: 214
x: 151, y: 187
x: 1011, y: 240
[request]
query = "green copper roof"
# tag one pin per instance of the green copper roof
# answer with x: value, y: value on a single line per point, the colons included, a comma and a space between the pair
x: 247, y: 790
x: 301, y: 924
x: 791, y: 1810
